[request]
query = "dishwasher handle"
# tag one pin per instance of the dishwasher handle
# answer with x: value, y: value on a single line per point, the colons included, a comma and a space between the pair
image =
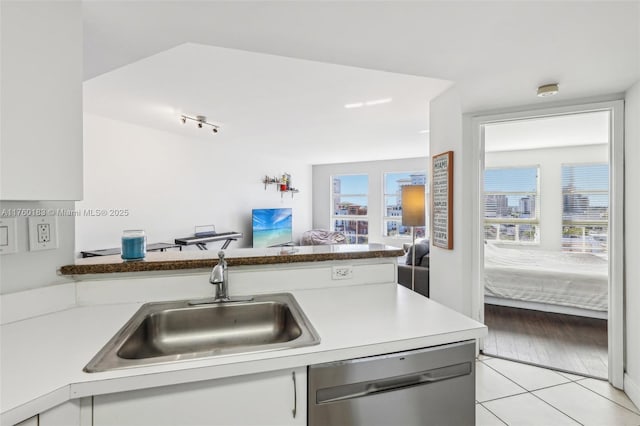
x: 357, y: 390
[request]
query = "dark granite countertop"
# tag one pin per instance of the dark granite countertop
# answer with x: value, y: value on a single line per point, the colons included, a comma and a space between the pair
x: 176, y: 260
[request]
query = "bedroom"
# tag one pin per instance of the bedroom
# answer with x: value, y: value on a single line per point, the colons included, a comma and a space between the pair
x: 546, y: 257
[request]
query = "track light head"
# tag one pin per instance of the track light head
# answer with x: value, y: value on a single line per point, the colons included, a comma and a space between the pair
x: 200, y: 121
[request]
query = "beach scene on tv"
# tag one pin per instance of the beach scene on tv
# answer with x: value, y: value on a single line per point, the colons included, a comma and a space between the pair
x: 272, y: 227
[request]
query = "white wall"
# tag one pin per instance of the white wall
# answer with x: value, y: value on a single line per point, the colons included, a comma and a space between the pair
x: 632, y: 242
x: 170, y: 183
x: 450, y: 270
x: 375, y: 170
x: 26, y: 269
x: 550, y: 161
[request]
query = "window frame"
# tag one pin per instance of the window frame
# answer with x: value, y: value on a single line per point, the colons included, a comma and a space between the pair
x: 385, y: 218
x: 356, y: 218
x: 497, y: 222
x: 584, y: 223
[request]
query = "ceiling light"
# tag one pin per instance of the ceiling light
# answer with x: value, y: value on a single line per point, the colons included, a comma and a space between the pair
x: 548, y: 90
x: 201, y: 121
x: 378, y: 101
x: 354, y: 105
x: 422, y: 132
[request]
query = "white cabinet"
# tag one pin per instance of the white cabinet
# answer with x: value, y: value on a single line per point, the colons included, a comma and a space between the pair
x: 41, y: 101
x: 256, y: 399
x: 76, y: 412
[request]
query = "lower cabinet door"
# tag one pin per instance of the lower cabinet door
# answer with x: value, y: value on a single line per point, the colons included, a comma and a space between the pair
x: 274, y: 398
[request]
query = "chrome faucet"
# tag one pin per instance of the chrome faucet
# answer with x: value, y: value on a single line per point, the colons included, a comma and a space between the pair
x: 220, y: 279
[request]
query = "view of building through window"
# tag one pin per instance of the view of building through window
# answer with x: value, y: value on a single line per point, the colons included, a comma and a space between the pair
x: 349, y: 197
x: 393, y: 183
x: 511, y: 207
x: 585, y: 207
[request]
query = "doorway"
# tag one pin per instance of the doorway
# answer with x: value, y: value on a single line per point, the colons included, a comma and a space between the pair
x: 549, y: 238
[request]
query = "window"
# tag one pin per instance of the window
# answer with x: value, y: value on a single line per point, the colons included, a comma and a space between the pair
x: 585, y: 207
x: 511, y: 204
x: 392, y: 214
x: 349, y: 201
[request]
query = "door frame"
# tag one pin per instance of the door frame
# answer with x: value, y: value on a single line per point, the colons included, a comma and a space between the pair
x: 615, y: 324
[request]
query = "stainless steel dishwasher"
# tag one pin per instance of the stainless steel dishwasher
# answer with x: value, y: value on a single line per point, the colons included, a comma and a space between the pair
x: 431, y: 386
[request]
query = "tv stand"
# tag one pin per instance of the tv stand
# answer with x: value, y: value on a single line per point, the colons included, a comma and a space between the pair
x: 289, y: 244
x: 201, y: 242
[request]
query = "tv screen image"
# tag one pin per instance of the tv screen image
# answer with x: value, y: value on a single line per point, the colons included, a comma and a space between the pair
x: 272, y: 227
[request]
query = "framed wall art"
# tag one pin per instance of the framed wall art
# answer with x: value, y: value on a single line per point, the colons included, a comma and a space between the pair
x: 442, y: 200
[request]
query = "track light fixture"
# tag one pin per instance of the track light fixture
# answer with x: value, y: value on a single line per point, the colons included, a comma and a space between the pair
x: 201, y: 121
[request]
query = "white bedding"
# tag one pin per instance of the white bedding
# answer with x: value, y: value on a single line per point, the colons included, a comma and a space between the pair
x: 568, y: 279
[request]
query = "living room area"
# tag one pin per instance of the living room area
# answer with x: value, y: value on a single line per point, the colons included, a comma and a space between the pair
x: 171, y: 174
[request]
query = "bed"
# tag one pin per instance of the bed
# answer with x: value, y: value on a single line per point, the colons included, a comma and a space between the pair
x: 573, y: 283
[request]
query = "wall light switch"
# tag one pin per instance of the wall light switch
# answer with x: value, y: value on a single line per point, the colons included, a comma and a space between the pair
x: 43, y: 233
x: 8, y: 235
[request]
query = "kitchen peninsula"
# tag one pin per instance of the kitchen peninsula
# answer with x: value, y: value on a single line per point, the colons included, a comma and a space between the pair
x: 171, y: 261
x: 348, y: 293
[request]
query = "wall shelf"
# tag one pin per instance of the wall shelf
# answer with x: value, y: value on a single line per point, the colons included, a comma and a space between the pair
x: 282, y: 184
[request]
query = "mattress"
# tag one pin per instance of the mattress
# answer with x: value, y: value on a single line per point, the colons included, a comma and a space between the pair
x: 578, y: 280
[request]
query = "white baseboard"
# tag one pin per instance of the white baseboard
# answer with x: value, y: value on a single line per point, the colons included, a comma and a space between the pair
x: 545, y: 307
x: 632, y: 389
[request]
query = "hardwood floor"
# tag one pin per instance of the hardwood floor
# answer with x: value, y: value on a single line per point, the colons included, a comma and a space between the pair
x: 565, y: 342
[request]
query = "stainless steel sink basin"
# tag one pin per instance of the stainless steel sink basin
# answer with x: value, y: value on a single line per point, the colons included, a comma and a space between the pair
x: 171, y: 331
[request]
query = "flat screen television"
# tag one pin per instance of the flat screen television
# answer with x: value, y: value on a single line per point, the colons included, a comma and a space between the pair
x: 272, y: 227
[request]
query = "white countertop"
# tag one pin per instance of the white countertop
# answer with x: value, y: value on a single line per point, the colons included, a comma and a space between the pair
x: 42, y: 357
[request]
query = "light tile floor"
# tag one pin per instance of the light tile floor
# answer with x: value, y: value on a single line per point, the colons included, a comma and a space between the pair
x: 517, y: 394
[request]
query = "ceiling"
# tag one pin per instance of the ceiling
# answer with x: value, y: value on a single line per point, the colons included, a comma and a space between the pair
x: 272, y: 104
x: 590, y: 128
x: 496, y: 53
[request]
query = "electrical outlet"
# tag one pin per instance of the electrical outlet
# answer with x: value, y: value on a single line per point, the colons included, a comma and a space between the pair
x: 342, y: 272
x: 8, y: 235
x: 43, y: 234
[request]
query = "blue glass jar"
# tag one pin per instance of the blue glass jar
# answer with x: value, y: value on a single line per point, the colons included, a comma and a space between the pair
x: 134, y: 244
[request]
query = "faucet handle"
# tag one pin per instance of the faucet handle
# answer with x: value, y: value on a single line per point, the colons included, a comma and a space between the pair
x: 221, y: 255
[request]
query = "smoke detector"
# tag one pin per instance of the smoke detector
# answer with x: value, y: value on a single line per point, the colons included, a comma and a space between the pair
x: 548, y: 90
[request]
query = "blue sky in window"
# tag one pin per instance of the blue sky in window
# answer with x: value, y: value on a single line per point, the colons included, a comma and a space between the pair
x: 587, y: 177
x: 511, y: 180
x: 353, y: 184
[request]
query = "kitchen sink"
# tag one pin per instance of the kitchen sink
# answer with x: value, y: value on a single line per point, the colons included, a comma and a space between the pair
x: 163, y: 332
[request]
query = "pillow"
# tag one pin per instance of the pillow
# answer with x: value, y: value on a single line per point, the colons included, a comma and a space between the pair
x: 422, y: 250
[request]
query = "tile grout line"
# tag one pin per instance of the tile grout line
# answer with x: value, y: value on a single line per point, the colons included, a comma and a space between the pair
x: 503, y: 397
x: 508, y: 378
x: 576, y: 381
x: 530, y: 392
x: 544, y: 367
x: 555, y: 408
x: 497, y: 417
x: 609, y: 399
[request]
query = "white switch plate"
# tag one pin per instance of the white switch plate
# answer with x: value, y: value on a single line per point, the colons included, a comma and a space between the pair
x: 342, y: 272
x: 8, y: 235
x: 43, y: 233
